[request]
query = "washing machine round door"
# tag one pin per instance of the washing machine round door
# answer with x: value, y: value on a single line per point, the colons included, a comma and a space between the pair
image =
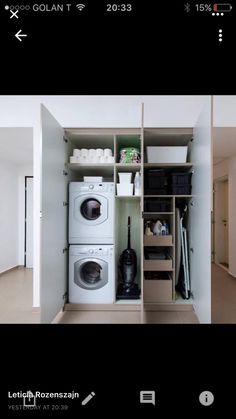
x: 91, y: 209
x: 91, y: 274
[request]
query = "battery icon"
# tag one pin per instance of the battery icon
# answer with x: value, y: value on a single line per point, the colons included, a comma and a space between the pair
x: 222, y: 7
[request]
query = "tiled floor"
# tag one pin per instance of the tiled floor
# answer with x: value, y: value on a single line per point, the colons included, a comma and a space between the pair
x: 16, y: 293
x: 223, y: 292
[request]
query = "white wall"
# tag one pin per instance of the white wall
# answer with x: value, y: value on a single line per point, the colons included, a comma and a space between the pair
x: 232, y: 215
x: 228, y: 168
x: 92, y: 111
x: 8, y: 216
x: 221, y: 169
x: 23, y: 170
x: 224, y: 111
x: 12, y: 213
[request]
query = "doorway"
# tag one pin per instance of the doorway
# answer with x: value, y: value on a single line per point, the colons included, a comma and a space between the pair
x: 221, y: 222
x: 29, y: 185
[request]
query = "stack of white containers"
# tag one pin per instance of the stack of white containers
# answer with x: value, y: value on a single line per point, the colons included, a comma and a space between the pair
x: 95, y: 156
x: 125, y: 187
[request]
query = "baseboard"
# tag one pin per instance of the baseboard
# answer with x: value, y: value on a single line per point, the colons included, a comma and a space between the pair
x: 230, y: 273
x: 11, y: 269
x: 222, y: 266
x: 35, y: 309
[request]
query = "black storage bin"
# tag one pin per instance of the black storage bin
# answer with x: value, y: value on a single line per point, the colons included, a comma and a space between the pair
x: 155, y: 178
x: 156, y: 205
x: 180, y: 178
x: 181, y: 190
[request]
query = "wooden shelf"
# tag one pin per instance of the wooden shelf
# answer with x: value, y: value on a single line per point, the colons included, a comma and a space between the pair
x: 157, y: 291
x: 132, y: 167
x: 166, y: 240
x: 130, y: 302
x: 158, y: 265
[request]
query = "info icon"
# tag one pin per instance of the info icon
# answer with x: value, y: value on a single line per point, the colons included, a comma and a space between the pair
x: 206, y: 398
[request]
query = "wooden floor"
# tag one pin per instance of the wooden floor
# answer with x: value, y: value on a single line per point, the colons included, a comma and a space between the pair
x: 16, y: 290
x: 223, y: 299
x: 128, y: 317
x: 16, y: 297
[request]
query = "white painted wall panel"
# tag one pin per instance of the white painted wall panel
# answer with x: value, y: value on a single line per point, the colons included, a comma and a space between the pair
x: 224, y: 111
x: 8, y: 216
x: 232, y: 215
x: 200, y: 216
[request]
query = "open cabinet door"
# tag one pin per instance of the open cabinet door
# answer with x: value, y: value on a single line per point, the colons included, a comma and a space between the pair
x: 54, y: 218
x: 200, y: 215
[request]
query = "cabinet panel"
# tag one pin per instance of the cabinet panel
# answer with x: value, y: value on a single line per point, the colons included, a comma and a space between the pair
x: 200, y: 216
x: 54, y: 218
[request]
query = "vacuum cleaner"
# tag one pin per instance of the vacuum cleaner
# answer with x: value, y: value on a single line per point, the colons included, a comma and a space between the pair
x: 127, y: 288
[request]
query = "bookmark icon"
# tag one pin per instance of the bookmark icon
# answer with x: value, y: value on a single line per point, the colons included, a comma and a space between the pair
x: 88, y: 398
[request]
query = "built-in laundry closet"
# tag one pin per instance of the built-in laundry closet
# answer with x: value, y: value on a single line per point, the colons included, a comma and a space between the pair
x: 156, y: 293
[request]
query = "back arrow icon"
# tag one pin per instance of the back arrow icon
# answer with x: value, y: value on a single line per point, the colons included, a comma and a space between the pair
x: 18, y: 35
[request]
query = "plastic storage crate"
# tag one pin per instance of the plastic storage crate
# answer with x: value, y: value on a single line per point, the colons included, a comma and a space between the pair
x: 155, y: 178
x: 181, y: 189
x: 152, y: 204
x: 169, y: 154
x: 180, y: 183
x: 180, y: 178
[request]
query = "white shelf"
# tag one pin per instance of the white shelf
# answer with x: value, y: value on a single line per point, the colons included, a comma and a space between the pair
x: 128, y: 302
x: 87, y: 169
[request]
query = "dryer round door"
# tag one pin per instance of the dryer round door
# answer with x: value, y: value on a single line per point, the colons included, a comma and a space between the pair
x: 91, y: 209
x: 91, y: 273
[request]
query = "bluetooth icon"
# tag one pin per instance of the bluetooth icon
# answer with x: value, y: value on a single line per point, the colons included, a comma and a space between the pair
x: 187, y: 7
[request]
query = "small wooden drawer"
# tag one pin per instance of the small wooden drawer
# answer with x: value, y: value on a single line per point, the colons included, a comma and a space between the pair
x: 158, y: 240
x: 158, y: 265
x: 157, y: 291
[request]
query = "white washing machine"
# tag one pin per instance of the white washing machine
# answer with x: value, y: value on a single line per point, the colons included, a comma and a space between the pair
x: 91, y: 213
x: 91, y: 274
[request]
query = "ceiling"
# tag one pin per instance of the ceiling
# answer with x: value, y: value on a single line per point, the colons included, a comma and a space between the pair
x: 224, y: 143
x: 16, y: 145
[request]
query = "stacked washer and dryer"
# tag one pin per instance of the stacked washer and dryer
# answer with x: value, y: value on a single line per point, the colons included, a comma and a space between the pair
x: 91, y: 239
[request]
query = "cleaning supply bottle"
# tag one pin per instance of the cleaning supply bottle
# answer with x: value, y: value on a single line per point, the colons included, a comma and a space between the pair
x: 148, y: 231
x: 157, y: 228
x: 167, y: 229
x: 137, y: 184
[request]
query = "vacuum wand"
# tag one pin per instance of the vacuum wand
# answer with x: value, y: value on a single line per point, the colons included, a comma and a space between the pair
x: 129, y: 246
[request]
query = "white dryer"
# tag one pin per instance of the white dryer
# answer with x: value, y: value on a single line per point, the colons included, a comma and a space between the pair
x: 91, y: 213
x: 91, y: 274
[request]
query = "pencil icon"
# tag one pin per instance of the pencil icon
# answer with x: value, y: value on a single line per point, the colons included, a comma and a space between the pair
x: 88, y: 398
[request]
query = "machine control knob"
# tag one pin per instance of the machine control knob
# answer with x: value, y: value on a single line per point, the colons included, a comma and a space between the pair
x: 91, y: 186
x: 91, y: 251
